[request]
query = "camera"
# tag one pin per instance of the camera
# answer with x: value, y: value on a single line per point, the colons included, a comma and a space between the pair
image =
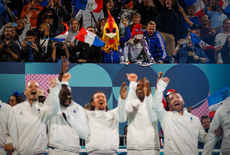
x: 59, y: 45
x: 29, y: 43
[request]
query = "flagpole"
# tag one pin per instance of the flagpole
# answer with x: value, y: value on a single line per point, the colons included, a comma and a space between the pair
x: 199, y: 102
x: 10, y: 12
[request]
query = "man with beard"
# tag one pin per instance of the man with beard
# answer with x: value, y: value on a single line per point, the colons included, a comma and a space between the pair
x: 182, y: 130
x: 69, y: 124
x: 31, y: 51
x: 44, y: 42
x: 9, y: 49
x: 103, y: 124
x: 31, y: 118
x: 142, y: 135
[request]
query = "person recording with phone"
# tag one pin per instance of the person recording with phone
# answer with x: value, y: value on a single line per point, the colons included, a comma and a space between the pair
x: 59, y: 49
x: 31, y: 51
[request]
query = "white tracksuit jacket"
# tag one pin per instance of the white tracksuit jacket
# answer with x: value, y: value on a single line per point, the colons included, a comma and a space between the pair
x: 142, y: 131
x: 64, y: 134
x: 104, y: 129
x: 8, y: 131
x: 181, y: 132
x: 221, y: 119
x: 31, y: 123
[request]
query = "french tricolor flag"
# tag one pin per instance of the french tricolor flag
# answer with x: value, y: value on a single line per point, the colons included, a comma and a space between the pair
x: 63, y: 35
x: 89, y: 38
x: 91, y: 5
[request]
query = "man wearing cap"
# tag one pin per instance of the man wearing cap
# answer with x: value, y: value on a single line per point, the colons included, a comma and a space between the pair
x: 182, y: 130
x: 31, y: 118
x: 142, y: 135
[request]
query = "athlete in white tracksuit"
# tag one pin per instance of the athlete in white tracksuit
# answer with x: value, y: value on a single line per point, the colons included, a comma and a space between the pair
x: 182, y: 130
x: 31, y: 118
x: 65, y: 131
x: 104, y: 126
x: 8, y: 130
x: 221, y: 119
x: 142, y: 134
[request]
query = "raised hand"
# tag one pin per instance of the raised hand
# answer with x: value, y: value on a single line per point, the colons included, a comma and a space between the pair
x: 132, y: 77
x: 66, y: 77
x: 165, y: 79
x: 123, y: 90
x: 64, y: 64
x: 64, y: 68
x: 52, y: 82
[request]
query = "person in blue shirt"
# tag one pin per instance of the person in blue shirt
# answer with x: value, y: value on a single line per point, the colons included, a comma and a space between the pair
x: 155, y: 43
x: 188, y: 53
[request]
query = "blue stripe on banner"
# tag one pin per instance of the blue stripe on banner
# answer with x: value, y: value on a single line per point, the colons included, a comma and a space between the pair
x: 57, y: 39
x: 11, y: 69
x: 98, y: 42
x: 44, y: 68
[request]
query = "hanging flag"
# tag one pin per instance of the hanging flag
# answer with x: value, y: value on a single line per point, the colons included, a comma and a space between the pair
x: 217, y: 99
x: 218, y: 96
x: 227, y: 9
x: 63, y: 35
x: 91, y: 5
x: 2, y: 7
x: 199, y: 5
x: 196, y: 40
x: 224, y: 3
x: 89, y: 38
x: 189, y: 2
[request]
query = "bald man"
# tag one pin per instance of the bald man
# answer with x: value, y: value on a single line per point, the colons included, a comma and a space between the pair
x: 142, y: 134
x: 31, y: 118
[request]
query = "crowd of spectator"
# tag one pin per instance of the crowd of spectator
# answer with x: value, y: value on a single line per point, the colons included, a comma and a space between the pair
x: 27, y: 29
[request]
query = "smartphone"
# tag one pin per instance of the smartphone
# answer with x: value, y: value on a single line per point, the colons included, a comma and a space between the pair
x: 14, y: 24
x: 29, y: 43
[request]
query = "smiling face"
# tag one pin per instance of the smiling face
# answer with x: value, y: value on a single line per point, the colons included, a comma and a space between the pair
x: 176, y: 102
x: 12, y: 101
x: 99, y: 101
x: 65, y: 96
x: 141, y: 85
x: 32, y: 90
x: 151, y: 29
